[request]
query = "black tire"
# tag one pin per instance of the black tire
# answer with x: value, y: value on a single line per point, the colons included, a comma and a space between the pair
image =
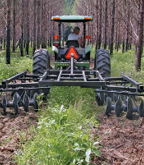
x: 102, y: 62
x: 41, y: 61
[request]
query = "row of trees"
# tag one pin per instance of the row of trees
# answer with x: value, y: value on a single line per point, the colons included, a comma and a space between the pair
x: 25, y: 20
x: 115, y: 21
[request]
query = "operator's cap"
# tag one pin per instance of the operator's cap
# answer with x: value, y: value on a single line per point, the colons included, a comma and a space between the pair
x: 77, y: 28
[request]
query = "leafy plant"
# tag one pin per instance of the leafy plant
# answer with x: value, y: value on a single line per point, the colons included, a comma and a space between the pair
x: 63, y: 132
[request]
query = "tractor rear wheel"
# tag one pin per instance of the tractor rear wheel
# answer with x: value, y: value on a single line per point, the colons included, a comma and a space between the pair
x: 102, y: 62
x: 41, y: 61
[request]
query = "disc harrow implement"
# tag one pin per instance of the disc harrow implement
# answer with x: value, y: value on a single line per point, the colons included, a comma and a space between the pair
x: 24, y: 90
x: 118, y: 93
x: 120, y: 96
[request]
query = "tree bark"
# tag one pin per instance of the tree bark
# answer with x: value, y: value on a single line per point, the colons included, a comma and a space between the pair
x: 43, y: 27
x: 14, y: 22
x: 123, y: 47
x: 97, y: 16
x: 38, y: 24
x: 8, y: 31
x: 27, y: 27
x: 100, y: 25
x: 34, y: 28
x: 106, y: 23
x: 112, y: 28
x: 4, y: 43
x: 128, y: 30
x: 1, y: 43
x: 22, y: 25
x: 140, y: 37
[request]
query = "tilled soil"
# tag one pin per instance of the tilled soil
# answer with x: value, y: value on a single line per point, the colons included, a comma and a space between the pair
x: 14, y: 130
x: 121, y: 140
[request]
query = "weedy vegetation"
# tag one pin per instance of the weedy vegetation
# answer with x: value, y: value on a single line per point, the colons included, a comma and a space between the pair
x: 64, y: 131
x: 18, y: 64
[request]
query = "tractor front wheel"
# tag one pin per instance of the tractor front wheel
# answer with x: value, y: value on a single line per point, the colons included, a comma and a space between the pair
x: 41, y: 61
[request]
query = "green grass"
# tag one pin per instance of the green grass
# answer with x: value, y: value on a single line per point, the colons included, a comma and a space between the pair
x: 17, y: 65
x: 63, y: 135
x: 125, y: 63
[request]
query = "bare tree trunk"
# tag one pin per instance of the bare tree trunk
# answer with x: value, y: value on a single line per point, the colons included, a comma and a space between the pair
x: 97, y: 16
x: 34, y: 28
x: 4, y: 43
x: 14, y: 31
x: 38, y: 24
x: 0, y: 43
x: 44, y: 31
x: 140, y: 37
x: 8, y: 31
x: 27, y: 28
x: 123, y: 47
x: 128, y: 30
x: 127, y: 43
x: 112, y: 28
x: 22, y: 25
x: 100, y: 25
x: 106, y: 23
x: 50, y: 41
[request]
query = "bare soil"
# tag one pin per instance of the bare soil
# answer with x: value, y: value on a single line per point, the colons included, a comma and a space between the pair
x: 14, y: 130
x: 121, y: 140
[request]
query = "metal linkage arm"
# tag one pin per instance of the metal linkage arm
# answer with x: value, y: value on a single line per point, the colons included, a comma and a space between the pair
x: 133, y: 82
x: 17, y: 76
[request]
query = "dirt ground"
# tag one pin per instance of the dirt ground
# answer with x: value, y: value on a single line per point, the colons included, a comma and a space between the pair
x: 14, y: 130
x: 121, y: 140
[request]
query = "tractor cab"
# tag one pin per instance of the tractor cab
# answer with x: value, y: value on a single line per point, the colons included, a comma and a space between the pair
x: 63, y: 50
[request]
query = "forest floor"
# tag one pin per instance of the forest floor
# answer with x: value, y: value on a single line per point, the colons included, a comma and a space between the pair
x: 14, y: 130
x: 121, y: 140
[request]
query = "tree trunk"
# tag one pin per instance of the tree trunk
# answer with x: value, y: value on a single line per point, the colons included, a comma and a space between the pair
x: 34, y: 28
x: 123, y: 47
x: 127, y: 44
x: 140, y: 38
x: 112, y: 28
x: 50, y: 41
x: 4, y: 43
x: 44, y: 29
x: 8, y: 31
x: 106, y: 23
x: 31, y: 42
x: 38, y: 24
x: 1, y: 43
x: 97, y: 16
x: 22, y: 25
x: 128, y: 30
x: 100, y: 25
x: 14, y: 31
x: 27, y: 28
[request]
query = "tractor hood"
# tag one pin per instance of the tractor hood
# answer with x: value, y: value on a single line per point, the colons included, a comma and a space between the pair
x: 71, y: 18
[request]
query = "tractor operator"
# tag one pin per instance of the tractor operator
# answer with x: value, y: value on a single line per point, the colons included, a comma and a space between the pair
x: 74, y: 35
